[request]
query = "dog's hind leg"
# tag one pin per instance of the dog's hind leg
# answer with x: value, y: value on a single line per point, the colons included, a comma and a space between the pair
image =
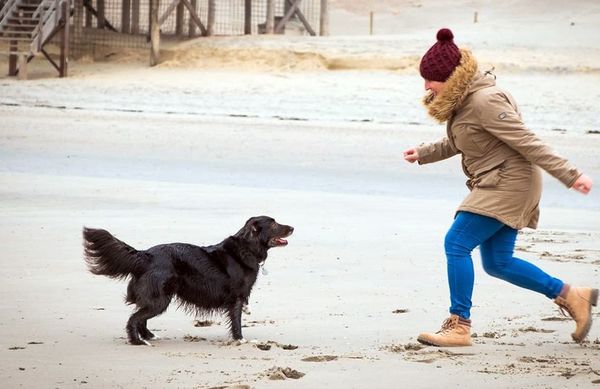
x: 137, y: 330
x: 235, y: 319
x: 131, y: 298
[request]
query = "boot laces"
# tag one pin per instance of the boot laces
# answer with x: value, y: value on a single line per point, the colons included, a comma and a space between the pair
x: 447, y: 326
x: 565, y: 306
x: 569, y: 311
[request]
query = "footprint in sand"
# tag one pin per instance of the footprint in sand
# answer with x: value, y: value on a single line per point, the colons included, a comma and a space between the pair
x: 423, y: 354
x: 193, y: 338
x: 204, y: 323
x: 283, y: 373
x: 267, y: 346
x: 533, y: 329
x: 320, y: 358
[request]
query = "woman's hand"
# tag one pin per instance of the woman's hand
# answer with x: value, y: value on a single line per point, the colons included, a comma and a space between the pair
x: 411, y: 155
x: 583, y: 184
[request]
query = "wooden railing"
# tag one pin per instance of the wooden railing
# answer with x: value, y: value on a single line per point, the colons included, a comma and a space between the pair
x: 6, y: 10
x: 53, y: 14
x: 40, y: 9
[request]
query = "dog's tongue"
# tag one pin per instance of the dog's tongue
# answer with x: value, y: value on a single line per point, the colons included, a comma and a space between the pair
x: 281, y: 241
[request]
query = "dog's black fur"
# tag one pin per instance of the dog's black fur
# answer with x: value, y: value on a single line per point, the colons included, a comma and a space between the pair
x: 211, y: 278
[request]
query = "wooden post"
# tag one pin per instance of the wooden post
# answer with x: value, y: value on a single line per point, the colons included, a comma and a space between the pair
x: 100, y: 16
x: 64, y: 44
x: 154, y: 33
x: 191, y: 24
x: 125, y: 16
x: 12, y: 58
x: 179, y: 20
x: 78, y: 24
x: 210, y: 28
x: 270, y: 23
x: 88, y: 14
x: 247, y: 17
x: 324, y: 25
x: 135, y: 16
x: 475, y: 17
x: 371, y: 23
x: 22, y: 67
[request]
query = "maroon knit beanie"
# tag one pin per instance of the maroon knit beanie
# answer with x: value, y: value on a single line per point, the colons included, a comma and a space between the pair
x: 439, y: 61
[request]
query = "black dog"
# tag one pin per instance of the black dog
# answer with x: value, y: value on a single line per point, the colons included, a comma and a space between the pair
x: 203, y: 279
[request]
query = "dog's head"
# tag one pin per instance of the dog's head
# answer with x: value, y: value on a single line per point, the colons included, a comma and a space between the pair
x: 266, y: 232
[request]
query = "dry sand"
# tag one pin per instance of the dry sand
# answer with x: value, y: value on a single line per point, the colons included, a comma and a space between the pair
x: 187, y: 151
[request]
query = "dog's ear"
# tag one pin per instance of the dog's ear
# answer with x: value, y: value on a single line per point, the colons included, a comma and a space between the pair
x: 253, y: 230
x: 249, y: 230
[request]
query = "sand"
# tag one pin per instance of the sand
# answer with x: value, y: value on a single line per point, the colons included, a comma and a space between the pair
x: 187, y: 151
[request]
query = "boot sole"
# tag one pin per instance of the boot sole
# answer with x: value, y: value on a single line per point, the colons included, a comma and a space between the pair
x: 586, y: 330
x: 428, y: 343
x: 423, y: 341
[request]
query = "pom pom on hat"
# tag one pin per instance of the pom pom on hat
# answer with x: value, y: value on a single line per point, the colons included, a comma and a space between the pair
x: 441, y: 59
x: 445, y: 35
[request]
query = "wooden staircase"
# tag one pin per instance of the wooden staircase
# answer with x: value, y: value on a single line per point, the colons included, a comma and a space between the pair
x: 26, y: 26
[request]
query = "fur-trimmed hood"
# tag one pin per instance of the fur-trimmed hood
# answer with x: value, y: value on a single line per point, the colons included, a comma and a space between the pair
x: 458, y: 86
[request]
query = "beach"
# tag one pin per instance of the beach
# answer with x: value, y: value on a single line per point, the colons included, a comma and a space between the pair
x: 309, y: 131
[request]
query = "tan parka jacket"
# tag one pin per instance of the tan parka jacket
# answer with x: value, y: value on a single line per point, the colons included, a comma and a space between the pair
x: 500, y: 156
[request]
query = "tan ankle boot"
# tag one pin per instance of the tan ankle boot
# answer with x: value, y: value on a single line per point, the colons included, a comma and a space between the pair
x: 455, y: 331
x: 578, y: 303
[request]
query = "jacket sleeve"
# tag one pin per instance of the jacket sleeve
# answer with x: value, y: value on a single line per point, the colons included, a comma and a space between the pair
x: 436, y: 151
x: 501, y: 119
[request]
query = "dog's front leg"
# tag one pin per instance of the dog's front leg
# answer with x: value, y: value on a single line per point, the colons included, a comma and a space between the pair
x: 235, y: 319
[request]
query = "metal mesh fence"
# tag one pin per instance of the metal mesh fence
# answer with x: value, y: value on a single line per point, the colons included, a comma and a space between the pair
x: 125, y: 23
x: 98, y: 24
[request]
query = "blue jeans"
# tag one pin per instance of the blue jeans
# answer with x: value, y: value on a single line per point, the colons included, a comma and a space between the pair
x: 496, y: 242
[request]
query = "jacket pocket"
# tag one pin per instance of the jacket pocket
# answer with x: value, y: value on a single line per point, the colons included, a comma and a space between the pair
x: 489, y: 179
x: 469, y: 140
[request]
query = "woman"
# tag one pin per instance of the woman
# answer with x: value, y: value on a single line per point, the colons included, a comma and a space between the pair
x: 501, y: 159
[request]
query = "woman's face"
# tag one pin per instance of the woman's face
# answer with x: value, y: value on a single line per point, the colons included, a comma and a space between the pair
x: 434, y: 86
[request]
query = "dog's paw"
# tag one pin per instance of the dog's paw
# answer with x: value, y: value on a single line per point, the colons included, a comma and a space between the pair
x: 140, y: 342
x: 236, y: 342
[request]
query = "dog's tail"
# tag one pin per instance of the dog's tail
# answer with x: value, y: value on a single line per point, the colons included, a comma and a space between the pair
x: 108, y: 256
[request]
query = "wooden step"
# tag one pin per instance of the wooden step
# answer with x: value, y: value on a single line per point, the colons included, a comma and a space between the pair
x: 16, y: 32
x: 24, y: 15
x: 14, y: 23
x: 9, y: 34
x: 18, y: 25
x: 26, y: 21
x: 9, y: 53
x: 23, y: 12
x: 15, y: 39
